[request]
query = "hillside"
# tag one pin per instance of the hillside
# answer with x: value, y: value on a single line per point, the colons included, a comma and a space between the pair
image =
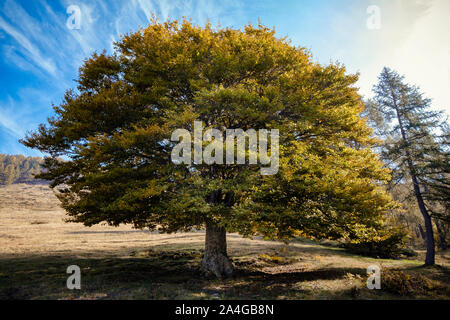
x: 19, y: 169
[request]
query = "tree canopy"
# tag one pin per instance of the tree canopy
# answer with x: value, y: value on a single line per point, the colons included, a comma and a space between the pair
x: 114, y: 129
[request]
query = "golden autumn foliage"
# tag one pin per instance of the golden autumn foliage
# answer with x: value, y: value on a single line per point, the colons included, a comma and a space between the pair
x: 115, y: 130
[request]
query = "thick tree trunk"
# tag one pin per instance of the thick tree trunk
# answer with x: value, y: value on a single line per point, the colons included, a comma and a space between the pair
x: 216, y: 260
x: 429, y: 259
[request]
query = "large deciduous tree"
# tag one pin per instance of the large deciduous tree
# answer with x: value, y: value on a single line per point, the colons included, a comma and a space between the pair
x: 114, y: 132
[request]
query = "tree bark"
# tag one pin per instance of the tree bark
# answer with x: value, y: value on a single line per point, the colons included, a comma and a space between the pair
x: 429, y: 259
x: 215, y: 259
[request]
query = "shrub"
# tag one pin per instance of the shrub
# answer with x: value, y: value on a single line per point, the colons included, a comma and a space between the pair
x: 390, y: 246
x: 404, y: 284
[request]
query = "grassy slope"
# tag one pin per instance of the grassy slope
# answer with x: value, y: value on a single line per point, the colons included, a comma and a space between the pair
x: 122, y: 263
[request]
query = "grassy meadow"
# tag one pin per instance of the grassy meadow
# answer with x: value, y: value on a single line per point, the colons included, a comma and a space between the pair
x: 37, y: 246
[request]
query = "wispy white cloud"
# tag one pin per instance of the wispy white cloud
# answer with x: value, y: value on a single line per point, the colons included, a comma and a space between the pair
x: 25, y: 111
x: 38, y: 42
x: 413, y: 39
x: 146, y: 7
x: 28, y: 49
x: 13, y: 57
x: 11, y: 125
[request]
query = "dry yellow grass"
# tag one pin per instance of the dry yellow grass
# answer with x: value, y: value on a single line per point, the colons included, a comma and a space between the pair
x: 32, y: 223
x: 34, y: 237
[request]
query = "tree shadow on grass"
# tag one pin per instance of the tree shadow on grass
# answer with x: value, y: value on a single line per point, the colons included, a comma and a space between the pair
x: 294, y: 277
x: 156, y: 275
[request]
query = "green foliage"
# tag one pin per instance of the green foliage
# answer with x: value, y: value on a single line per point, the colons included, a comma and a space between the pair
x: 438, y: 178
x: 387, y: 244
x: 414, y: 137
x: 115, y: 132
x: 18, y: 168
x: 414, y: 145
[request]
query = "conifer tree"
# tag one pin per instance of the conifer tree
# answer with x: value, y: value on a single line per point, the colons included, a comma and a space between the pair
x: 413, y: 145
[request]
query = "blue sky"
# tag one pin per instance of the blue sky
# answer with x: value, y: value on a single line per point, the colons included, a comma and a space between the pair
x: 40, y: 54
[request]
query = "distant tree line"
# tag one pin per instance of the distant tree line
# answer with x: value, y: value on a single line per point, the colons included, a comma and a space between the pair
x: 18, y: 169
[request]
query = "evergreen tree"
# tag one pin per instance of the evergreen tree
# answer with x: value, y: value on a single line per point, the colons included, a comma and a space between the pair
x: 115, y: 132
x: 412, y: 144
x: 437, y: 176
